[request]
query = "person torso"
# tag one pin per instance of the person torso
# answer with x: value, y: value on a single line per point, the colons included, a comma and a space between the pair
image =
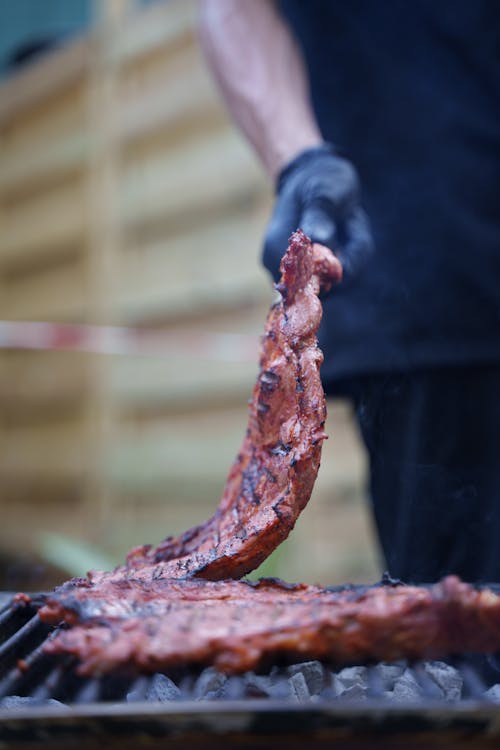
x: 409, y: 90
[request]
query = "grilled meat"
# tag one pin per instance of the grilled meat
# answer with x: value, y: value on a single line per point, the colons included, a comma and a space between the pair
x: 237, y: 625
x: 167, y: 606
x: 273, y: 475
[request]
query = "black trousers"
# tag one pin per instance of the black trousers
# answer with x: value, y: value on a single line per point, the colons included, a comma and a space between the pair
x: 433, y: 439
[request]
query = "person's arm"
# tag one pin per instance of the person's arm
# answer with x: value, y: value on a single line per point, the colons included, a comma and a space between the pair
x: 261, y: 76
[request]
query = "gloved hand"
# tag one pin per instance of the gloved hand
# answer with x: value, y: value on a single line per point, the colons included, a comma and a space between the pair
x: 318, y: 192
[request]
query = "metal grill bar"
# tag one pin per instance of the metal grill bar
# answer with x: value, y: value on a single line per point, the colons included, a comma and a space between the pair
x: 17, y: 642
x: 5, y: 604
x: 49, y: 687
x: 35, y: 664
x: 11, y: 620
x: 139, y: 688
x: 19, y: 645
x: 475, y: 685
x: 88, y: 693
x: 429, y: 687
x: 375, y: 682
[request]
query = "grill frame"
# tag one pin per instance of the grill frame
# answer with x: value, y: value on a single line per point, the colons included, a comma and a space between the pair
x: 255, y: 723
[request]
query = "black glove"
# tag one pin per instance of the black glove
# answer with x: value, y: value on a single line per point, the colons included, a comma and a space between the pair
x: 318, y: 192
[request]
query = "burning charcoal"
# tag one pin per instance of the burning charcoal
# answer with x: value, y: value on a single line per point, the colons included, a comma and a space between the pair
x: 162, y: 689
x: 314, y: 675
x: 447, y: 678
x: 256, y: 686
x: 357, y: 692
x: 406, y: 688
x: 338, y: 689
x: 493, y: 693
x: 388, y: 674
x: 277, y: 685
x: 266, y: 686
x: 210, y: 685
x: 299, y: 689
x: 350, y: 683
x: 280, y: 689
x: 353, y: 676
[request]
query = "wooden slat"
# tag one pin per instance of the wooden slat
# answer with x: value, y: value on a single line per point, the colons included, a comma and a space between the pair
x: 203, y: 268
x: 159, y: 26
x: 31, y: 378
x: 199, y: 174
x: 51, y: 221
x: 156, y: 97
x: 34, y: 505
x: 52, y: 118
x: 24, y: 168
x: 153, y: 90
x: 151, y: 516
x: 200, y: 447
x: 54, y: 72
x: 57, y: 294
x: 176, y: 380
x: 51, y: 451
x: 191, y: 450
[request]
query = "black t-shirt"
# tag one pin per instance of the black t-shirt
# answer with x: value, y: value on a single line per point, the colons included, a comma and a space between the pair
x: 409, y: 90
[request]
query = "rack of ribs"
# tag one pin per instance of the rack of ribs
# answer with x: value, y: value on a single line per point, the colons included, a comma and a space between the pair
x: 169, y: 605
x: 154, y: 625
x: 273, y: 475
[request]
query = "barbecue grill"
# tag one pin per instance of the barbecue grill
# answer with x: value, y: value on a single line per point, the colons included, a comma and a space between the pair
x: 425, y: 704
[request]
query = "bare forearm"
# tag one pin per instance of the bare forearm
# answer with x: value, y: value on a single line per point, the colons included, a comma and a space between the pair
x: 261, y: 75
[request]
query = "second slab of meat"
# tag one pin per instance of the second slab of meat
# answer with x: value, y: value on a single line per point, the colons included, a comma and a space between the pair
x: 273, y: 475
x: 146, y: 626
